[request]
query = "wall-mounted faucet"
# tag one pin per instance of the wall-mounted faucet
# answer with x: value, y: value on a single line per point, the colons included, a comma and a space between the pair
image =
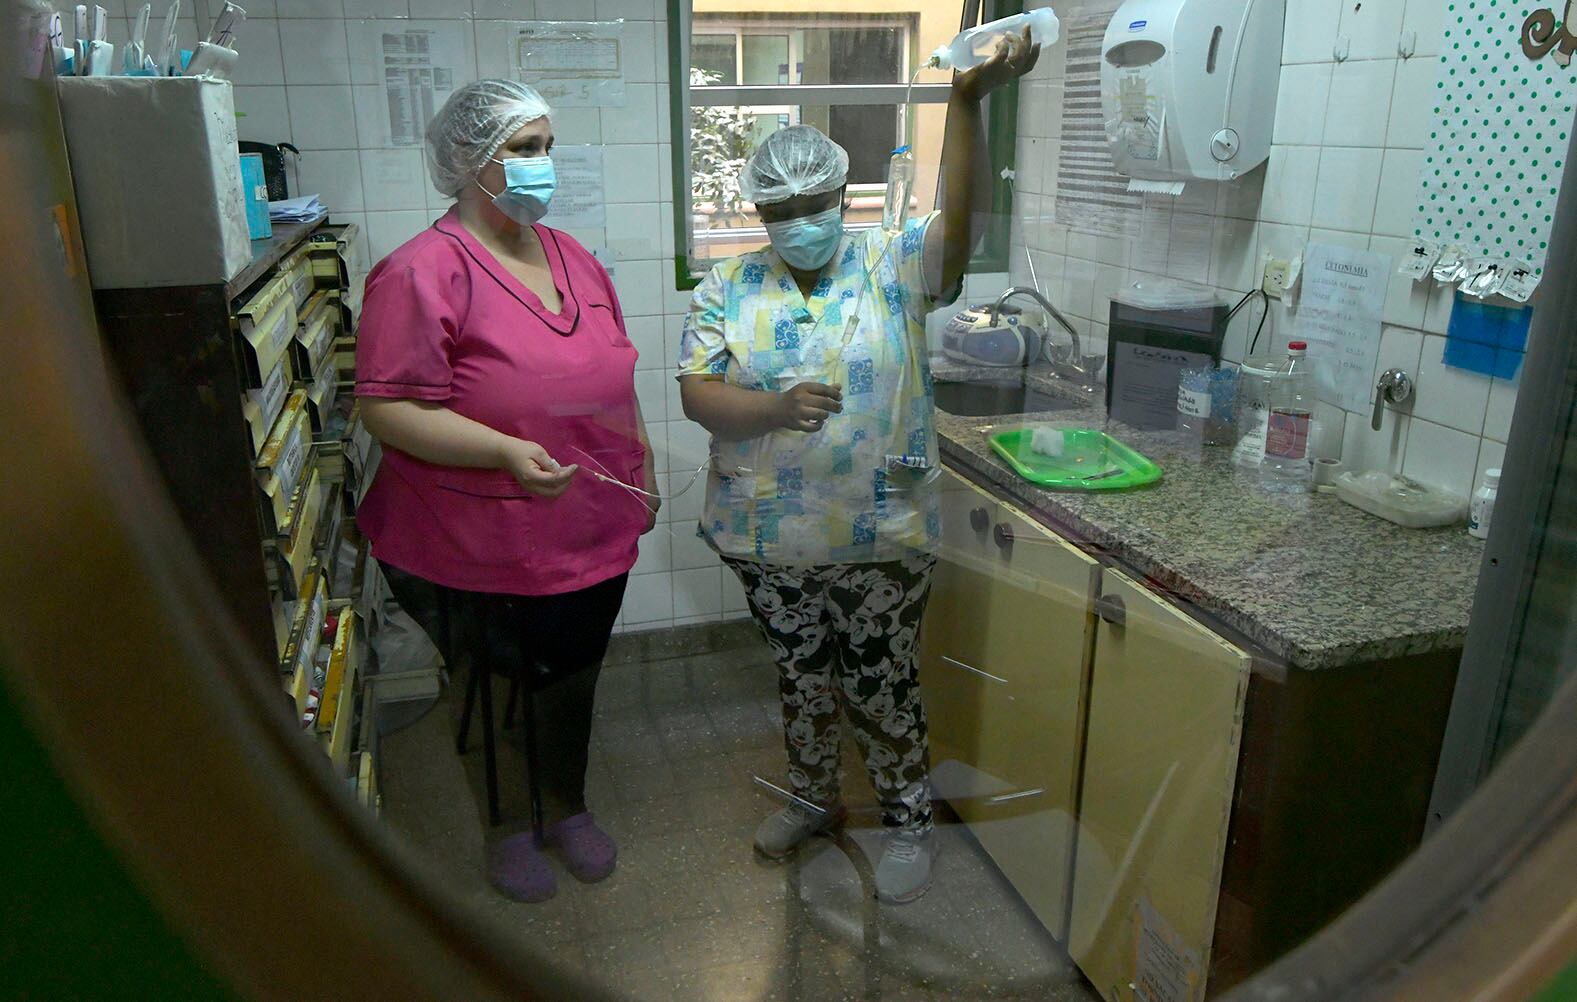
x: 1075, y: 367
x: 1395, y: 386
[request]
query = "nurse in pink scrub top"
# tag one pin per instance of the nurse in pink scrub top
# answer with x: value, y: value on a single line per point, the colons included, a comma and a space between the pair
x: 493, y: 366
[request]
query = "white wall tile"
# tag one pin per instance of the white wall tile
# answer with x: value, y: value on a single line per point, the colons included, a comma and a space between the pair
x: 634, y: 232
x: 577, y: 126
x: 1404, y: 298
x: 640, y: 287
x: 734, y: 600
x: 1301, y: 99
x: 1240, y: 199
x: 1447, y: 395
x: 1437, y: 313
x: 321, y: 118
x: 690, y: 550
x: 637, y: 121
x: 1371, y: 29
x: 1360, y: 104
x: 1427, y: 18
x: 1502, y: 402
x: 646, y: 333
x: 1491, y: 456
x: 1399, y: 349
x: 394, y: 179
x: 632, y: 10
x: 648, y: 598
x: 1278, y: 240
x: 366, y: 44
x: 377, y: 8
x: 1309, y: 35
x: 505, y: 10
x: 655, y: 554
x: 688, y: 446
x: 388, y: 230
x: 334, y: 174
x: 631, y: 173
x: 1344, y: 195
x: 651, y: 389
x: 1289, y: 184
x: 308, y: 8
x: 563, y: 10
x: 1327, y: 430
x: 262, y: 61
x: 1412, y: 103
x: 265, y: 116
x: 699, y: 592
x: 443, y: 9
x: 1394, y: 208
x: 1365, y: 449
x: 639, y: 51
x: 1441, y: 456
x: 314, y: 51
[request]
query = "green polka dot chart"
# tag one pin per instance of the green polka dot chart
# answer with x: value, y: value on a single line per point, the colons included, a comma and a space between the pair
x: 1498, y: 134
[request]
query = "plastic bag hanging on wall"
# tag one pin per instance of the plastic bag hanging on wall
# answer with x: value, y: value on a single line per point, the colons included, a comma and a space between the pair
x: 1498, y: 136
x: 572, y: 64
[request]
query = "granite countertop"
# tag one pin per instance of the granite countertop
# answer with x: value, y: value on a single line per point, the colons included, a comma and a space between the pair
x: 1314, y: 581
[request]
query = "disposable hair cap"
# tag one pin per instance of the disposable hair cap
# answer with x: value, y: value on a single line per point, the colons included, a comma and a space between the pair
x: 473, y: 124
x: 798, y: 160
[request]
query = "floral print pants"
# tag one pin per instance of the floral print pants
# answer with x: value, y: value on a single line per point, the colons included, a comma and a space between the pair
x: 849, y: 634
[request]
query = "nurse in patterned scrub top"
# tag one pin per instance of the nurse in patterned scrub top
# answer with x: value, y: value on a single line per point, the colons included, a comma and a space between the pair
x: 806, y: 361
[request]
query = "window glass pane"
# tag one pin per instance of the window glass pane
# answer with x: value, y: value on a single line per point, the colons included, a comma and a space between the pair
x: 716, y: 56
x: 862, y: 54
x: 766, y: 59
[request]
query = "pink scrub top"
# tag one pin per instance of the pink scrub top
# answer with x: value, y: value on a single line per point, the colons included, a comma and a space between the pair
x: 443, y: 320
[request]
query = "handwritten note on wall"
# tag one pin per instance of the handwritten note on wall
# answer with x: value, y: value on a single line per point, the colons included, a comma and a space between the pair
x: 580, y: 199
x: 1339, y: 316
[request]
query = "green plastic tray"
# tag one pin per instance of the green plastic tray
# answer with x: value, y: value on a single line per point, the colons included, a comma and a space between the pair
x: 1087, y: 454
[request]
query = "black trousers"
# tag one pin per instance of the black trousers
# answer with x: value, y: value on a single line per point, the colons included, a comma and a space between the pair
x: 553, y: 643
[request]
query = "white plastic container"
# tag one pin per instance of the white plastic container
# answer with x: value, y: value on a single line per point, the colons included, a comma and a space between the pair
x: 973, y: 46
x: 1481, y: 509
x: 1287, y: 467
x: 900, y: 181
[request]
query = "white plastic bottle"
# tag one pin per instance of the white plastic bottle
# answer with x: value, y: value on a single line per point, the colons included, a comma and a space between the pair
x: 1287, y: 467
x: 974, y: 46
x: 1482, y: 507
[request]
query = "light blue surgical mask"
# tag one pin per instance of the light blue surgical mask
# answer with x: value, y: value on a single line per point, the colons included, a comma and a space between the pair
x: 529, y: 184
x: 808, y: 242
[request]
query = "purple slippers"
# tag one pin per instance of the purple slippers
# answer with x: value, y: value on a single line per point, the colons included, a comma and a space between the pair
x: 521, y: 871
x: 588, y: 851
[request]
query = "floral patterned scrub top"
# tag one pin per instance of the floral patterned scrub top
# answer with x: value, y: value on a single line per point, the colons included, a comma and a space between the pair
x: 861, y: 489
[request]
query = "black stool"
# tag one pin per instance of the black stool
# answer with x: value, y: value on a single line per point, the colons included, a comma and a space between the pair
x: 480, y: 677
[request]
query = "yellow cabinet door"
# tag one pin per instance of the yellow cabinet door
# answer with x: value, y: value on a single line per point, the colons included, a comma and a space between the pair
x: 1160, y: 761
x: 1004, y: 676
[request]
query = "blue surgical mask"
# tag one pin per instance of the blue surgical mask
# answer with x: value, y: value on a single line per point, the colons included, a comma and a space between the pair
x: 529, y: 183
x: 807, y: 243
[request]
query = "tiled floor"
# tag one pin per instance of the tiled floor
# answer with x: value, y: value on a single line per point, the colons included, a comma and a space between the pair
x: 691, y: 913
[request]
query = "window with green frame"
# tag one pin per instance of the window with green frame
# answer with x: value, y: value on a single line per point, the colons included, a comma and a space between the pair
x: 740, y: 71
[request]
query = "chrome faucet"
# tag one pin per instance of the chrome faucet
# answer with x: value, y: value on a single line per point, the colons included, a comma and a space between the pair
x: 1074, y: 367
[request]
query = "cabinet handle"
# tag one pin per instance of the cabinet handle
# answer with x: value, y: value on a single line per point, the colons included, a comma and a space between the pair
x: 978, y: 519
x: 1003, y: 534
x: 1111, y: 609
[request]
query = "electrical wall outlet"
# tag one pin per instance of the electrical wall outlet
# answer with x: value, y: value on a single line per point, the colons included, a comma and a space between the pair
x: 1278, y: 276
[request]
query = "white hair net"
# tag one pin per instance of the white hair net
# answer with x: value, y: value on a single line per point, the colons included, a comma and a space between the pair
x: 473, y: 124
x: 798, y: 160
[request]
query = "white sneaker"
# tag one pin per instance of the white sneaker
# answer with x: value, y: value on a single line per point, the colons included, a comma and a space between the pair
x: 904, y: 872
x: 784, y: 831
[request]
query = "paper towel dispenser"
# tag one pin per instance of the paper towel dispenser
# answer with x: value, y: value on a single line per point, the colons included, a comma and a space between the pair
x: 1188, y: 88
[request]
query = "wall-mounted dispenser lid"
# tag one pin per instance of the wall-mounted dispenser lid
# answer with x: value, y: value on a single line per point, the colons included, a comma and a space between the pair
x: 1166, y: 294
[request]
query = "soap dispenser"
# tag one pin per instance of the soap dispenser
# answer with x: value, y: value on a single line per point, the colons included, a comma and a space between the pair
x: 1188, y: 89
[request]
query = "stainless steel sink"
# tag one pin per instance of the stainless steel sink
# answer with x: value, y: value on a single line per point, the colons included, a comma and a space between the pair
x: 989, y: 399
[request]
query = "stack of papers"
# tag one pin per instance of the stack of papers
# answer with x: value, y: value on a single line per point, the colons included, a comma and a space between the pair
x: 302, y: 209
